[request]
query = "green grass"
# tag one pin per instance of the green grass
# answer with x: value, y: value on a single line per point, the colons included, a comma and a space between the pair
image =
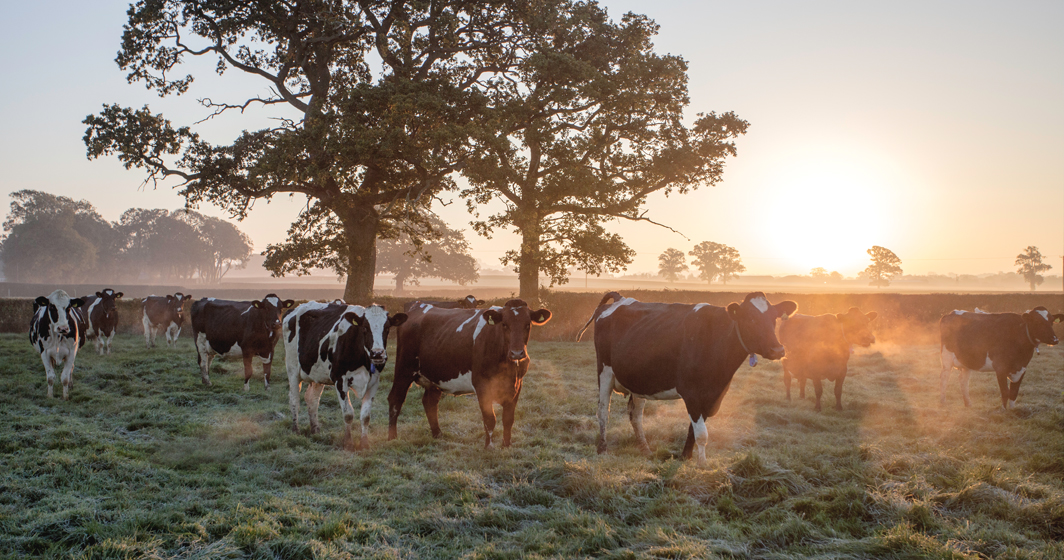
x: 143, y: 461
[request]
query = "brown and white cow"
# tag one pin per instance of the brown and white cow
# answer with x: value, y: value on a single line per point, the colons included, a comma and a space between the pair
x: 665, y: 351
x: 57, y: 333
x: 102, y: 315
x: 248, y: 328
x: 163, y: 312
x: 999, y: 342
x: 462, y: 352
x: 819, y: 348
x: 339, y: 345
x: 468, y: 302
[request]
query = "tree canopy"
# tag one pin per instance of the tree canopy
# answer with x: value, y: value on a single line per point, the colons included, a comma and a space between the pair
x: 441, y: 252
x: 1031, y: 266
x: 671, y: 264
x: 885, y: 266
x: 716, y: 260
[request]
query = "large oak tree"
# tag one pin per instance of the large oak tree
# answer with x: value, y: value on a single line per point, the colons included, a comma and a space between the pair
x: 592, y: 126
x: 385, y: 96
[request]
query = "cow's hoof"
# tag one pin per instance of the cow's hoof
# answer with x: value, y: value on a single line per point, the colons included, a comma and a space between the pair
x: 436, y: 434
x: 247, y: 387
x: 363, y: 443
x: 601, y: 448
x: 645, y: 450
x: 392, y: 434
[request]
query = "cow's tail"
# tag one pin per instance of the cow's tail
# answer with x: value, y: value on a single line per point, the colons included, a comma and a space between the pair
x: 598, y: 311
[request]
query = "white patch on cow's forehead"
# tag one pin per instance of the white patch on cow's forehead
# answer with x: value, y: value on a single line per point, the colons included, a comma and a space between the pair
x: 377, y: 317
x: 471, y: 299
x: 108, y: 291
x: 59, y: 298
x: 275, y: 301
x: 612, y: 308
x: 516, y: 312
x: 760, y: 303
x: 1043, y: 313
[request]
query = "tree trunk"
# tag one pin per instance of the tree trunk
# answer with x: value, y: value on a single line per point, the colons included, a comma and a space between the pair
x: 360, y: 229
x: 528, y: 266
x: 400, y: 280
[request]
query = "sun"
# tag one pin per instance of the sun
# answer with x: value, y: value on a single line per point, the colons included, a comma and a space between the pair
x: 829, y: 216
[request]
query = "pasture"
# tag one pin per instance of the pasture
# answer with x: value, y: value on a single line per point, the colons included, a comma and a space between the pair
x: 144, y: 461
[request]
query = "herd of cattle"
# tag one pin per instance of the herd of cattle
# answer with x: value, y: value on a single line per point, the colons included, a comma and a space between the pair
x: 644, y: 350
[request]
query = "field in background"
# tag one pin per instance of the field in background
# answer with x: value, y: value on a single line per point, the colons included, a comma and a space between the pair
x: 143, y: 461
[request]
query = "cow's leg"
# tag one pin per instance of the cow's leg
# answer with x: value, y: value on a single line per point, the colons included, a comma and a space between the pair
x: 348, y: 412
x: 509, y: 407
x: 49, y: 372
x: 943, y: 377
x: 701, y: 437
x: 68, y: 373
x: 147, y: 331
x: 294, y: 385
x: 367, y: 405
x: 203, y: 357
x: 635, y: 416
x: 313, y: 398
x: 605, y: 380
x: 397, y: 396
x: 267, y: 369
x: 487, y: 412
x: 1003, y: 386
x: 431, y: 401
x: 801, y: 386
x: 818, y: 387
x: 838, y: 391
x: 966, y: 376
x: 110, y: 339
x: 786, y: 376
x: 689, y: 445
x: 1014, y: 390
x: 248, y: 357
x: 99, y: 343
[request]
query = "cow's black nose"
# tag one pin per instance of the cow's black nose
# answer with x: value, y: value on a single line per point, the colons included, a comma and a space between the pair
x: 519, y: 355
x: 775, y: 354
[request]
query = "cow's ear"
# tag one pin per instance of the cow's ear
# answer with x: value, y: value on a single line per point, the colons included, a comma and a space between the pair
x: 119, y: 295
x: 41, y: 301
x: 480, y: 302
x: 353, y: 318
x: 786, y: 308
x: 492, y: 316
x: 540, y: 316
x: 871, y: 316
x: 99, y: 295
x: 1059, y: 318
x: 397, y: 319
x: 186, y: 298
x: 733, y: 311
x: 76, y: 303
x: 257, y: 304
x: 169, y: 298
x: 288, y: 303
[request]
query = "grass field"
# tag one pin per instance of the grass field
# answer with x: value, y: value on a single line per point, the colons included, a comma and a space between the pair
x: 143, y: 461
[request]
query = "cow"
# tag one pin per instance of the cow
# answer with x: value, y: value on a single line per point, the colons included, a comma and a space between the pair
x: 818, y: 348
x: 57, y: 332
x: 665, y: 351
x: 250, y: 328
x: 999, y: 342
x: 340, y: 345
x: 167, y: 312
x: 462, y: 352
x: 468, y: 302
x: 103, y: 318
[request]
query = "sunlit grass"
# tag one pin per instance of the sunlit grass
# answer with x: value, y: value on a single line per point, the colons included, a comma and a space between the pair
x: 144, y: 461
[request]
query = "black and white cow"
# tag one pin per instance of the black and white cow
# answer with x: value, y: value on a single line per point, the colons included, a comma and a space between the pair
x: 664, y: 351
x: 468, y: 302
x: 166, y: 312
x: 57, y: 333
x: 463, y: 352
x: 819, y: 347
x: 999, y: 342
x: 248, y: 328
x: 339, y: 345
x: 102, y: 314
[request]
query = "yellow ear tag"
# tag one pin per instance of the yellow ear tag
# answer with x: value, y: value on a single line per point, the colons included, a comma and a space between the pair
x: 491, y: 320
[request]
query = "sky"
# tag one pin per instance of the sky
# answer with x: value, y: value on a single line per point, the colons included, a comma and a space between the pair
x: 932, y: 128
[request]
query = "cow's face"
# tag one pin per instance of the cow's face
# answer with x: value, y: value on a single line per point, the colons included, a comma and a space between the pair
x: 756, y: 319
x: 516, y: 321
x: 107, y: 302
x: 855, y: 327
x: 471, y: 302
x: 176, y: 305
x: 1039, y: 325
x: 57, y: 309
x: 373, y: 327
x: 269, y: 311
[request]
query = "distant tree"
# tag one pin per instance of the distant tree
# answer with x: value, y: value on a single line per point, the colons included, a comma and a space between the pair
x: 671, y: 264
x: 820, y: 274
x: 836, y: 276
x: 707, y: 258
x: 885, y: 266
x: 1030, y: 263
x: 222, y: 246
x: 438, y: 252
x: 730, y: 264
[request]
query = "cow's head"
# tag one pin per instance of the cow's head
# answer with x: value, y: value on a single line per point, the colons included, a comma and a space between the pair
x: 855, y: 327
x: 471, y: 302
x: 107, y: 302
x: 269, y: 310
x: 373, y: 326
x: 176, y: 305
x: 57, y: 309
x: 516, y: 321
x: 756, y: 321
x: 1039, y: 325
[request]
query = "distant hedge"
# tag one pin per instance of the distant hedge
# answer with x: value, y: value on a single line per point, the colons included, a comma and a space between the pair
x: 903, y: 318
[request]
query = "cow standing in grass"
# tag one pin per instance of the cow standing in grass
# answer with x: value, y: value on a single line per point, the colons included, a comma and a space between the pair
x: 165, y: 312
x: 102, y: 315
x: 339, y: 345
x: 999, y: 342
x: 57, y: 333
x: 248, y: 328
x: 665, y: 351
x: 819, y: 348
x: 463, y: 352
